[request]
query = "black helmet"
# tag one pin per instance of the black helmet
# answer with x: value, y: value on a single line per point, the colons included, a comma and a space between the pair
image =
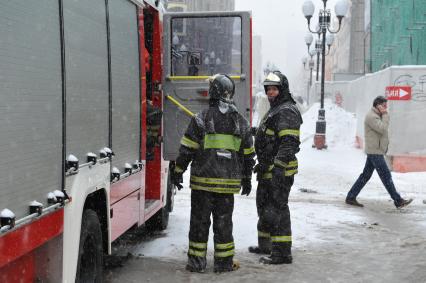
x: 221, y: 87
x: 379, y: 100
x: 277, y: 79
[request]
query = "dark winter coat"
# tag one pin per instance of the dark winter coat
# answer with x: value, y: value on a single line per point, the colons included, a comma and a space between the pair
x: 278, y: 137
x: 220, y: 147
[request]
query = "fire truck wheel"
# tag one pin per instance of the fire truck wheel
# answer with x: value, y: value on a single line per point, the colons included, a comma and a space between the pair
x: 171, y: 191
x: 159, y: 221
x: 90, y: 254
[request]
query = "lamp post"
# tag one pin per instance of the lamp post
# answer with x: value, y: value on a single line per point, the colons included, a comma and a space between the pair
x: 324, y: 19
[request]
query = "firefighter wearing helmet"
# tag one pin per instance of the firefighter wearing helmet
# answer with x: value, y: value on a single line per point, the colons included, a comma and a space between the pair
x: 219, y: 144
x: 277, y: 141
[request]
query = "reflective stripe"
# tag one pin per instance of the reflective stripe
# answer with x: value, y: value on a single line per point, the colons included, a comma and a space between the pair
x: 222, y: 141
x: 280, y: 239
x: 224, y: 254
x: 249, y: 150
x: 198, y: 245
x: 216, y: 189
x: 288, y: 132
x: 293, y: 163
x: 189, y: 143
x: 269, y: 132
x: 178, y: 169
x: 261, y: 234
x: 290, y: 172
x: 216, y: 181
x: 267, y: 176
x: 197, y: 253
x: 224, y: 246
x: 280, y: 163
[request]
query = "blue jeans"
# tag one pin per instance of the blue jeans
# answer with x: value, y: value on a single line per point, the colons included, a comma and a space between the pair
x: 375, y: 161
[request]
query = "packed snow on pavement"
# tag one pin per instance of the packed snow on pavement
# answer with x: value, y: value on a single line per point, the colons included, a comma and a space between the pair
x: 332, y: 241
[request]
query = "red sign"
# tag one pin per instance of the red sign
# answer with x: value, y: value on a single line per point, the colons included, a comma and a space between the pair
x: 398, y: 92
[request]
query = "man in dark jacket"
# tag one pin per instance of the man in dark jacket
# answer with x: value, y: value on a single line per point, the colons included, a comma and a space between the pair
x: 219, y: 144
x: 376, y: 125
x: 276, y: 143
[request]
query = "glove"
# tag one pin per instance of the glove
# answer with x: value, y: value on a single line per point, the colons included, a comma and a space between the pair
x: 177, y: 180
x: 246, y: 185
x: 260, y: 168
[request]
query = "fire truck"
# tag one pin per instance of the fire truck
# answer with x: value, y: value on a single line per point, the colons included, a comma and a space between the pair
x: 95, y: 96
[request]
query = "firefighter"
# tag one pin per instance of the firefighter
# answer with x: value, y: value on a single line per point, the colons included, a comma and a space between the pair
x: 219, y: 144
x: 276, y: 143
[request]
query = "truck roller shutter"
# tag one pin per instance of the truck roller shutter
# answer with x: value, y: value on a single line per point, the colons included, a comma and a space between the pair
x: 31, y: 103
x: 86, y: 62
x: 125, y: 82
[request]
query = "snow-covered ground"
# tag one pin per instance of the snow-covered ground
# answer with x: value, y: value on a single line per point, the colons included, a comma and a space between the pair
x: 332, y: 242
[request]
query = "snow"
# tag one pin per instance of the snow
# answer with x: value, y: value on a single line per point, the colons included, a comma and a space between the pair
x: 127, y: 166
x: 58, y: 194
x: 115, y: 170
x: 7, y: 213
x: 331, y: 240
x: 72, y: 158
x: 35, y: 203
x: 90, y: 154
x: 51, y: 196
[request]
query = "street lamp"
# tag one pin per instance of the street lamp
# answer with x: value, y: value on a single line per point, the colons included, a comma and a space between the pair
x: 311, y: 67
x: 324, y: 19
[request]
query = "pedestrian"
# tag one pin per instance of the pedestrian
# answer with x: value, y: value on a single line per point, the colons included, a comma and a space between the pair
x: 219, y: 144
x: 277, y: 141
x: 376, y: 125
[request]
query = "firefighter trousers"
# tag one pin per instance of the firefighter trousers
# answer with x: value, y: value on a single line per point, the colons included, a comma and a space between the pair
x: 274, y: 225
x: 203, y: 205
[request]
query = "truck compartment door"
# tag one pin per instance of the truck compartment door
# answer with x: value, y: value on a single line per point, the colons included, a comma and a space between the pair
x: 196, y: 46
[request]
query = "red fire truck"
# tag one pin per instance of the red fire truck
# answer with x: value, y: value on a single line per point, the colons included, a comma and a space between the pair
x: 85, y: 154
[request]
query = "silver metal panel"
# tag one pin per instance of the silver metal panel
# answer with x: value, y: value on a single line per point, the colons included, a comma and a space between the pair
x: 31, y: 103
x: 86, y: 77
x: 125, y: 83
x: 228, y: 35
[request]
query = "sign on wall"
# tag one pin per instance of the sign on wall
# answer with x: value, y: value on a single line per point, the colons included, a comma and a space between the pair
x: 398, y: 92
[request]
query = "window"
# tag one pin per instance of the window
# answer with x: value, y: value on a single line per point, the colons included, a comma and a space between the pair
x: 210, y: 45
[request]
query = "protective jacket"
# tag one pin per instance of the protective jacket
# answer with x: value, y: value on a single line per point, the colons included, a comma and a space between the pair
x: 376, y: 132
x: 278, y: 138
x: 220, y: 147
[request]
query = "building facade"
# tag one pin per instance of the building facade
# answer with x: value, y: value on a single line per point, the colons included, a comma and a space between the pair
x: 398, y: 33
x: 347, y: 55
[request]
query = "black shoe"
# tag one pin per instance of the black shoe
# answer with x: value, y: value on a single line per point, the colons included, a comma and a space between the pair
x: 403, y: 202
x: 354, y: 202
x: 194, y: 269
x: 257, y: 250
x: 276, y: 260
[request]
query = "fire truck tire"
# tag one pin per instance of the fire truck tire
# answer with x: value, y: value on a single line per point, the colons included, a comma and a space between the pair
x: 90, y: 254
x: 171, y: 191
x: 159, y: 221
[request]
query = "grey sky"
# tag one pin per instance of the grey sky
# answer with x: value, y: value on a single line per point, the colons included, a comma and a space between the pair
x: 282, y: 26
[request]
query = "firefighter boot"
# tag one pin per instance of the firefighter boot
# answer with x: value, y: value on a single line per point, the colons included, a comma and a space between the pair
x: 276, y: 260
x: 281, y: 254
x: 225, y: 265
x: 264, y: 246
x: 196, y: 264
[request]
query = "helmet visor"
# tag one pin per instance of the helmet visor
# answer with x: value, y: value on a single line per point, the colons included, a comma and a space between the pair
x: 272, y: 79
